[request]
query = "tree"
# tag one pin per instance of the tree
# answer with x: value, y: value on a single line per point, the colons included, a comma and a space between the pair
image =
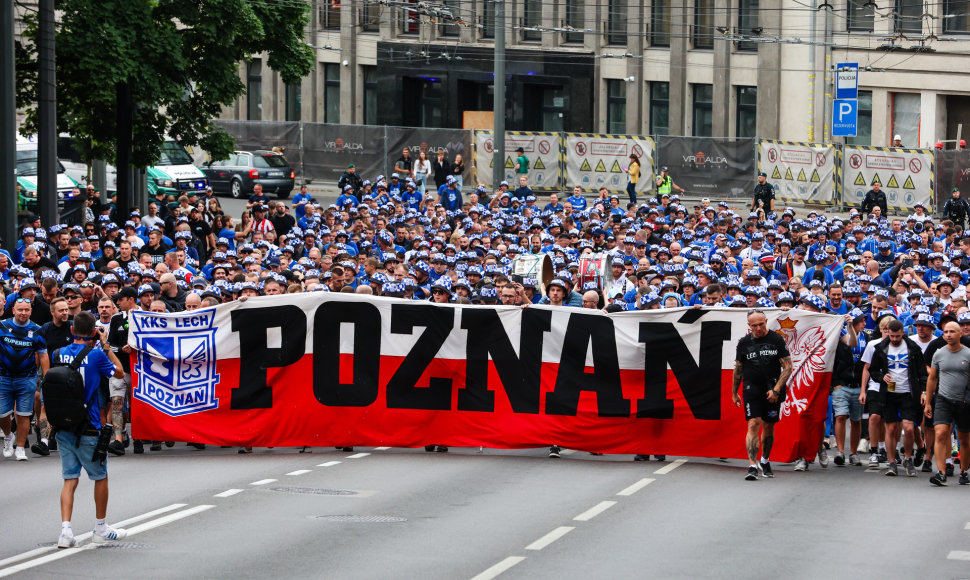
x: 173, y: 63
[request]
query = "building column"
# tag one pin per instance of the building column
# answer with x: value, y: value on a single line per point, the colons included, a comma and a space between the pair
x: 348, y: 63
x: 721, y: 123
x: 679, y: 32
x: 769, y: 71
x: 634, y: 69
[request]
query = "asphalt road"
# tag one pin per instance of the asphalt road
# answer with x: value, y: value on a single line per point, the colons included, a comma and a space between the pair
x: 401, y: 513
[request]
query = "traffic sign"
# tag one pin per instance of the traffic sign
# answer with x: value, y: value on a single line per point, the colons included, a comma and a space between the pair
x: 845, y: 117
x: 847, y: 80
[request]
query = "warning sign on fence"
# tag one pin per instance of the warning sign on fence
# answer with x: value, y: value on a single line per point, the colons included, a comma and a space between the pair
x: 802, y: 172
x: 906, y: 175
x: 542, y: 149
x: 595, y: 161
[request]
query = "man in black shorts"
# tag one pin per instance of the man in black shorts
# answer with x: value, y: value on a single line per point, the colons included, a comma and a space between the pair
x: 764, y: 364
x: 950, y: 371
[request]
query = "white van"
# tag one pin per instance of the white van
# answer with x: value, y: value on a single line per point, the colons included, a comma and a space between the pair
x: 27, y: 176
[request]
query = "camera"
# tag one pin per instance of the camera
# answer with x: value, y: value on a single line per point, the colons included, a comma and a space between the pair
x: 101, y: 449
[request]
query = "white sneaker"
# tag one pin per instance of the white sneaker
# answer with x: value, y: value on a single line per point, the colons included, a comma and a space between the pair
x: 823, y: 458
x: 66, y: 541
x: 801, y: 465
x: 21, y: 454
x: 8, y: 443
x: 863, y: 446
x: 110, y: 535
x: 854, y: 460
x: 874, y: 460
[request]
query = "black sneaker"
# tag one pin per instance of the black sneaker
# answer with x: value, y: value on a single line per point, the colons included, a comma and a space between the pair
x: 40, y: 448
x: 883, y: 457
x: 949, y: 470
x: 199, y: 446
x: 116, y: 448
x: 430, y: 448
x: 125, y: 439
x: 839, y: 459
x: 641, y: 457
x: 346, y: 449
x: 766, y: 469
x: 920, y: 455
x: 156, y: 446
x: 752, y: 474
x: 938, y: 479
x: 964, y: 478
x: 53, y: 444
x: 441, y: 449
x: 554, y: 452
x: 660, y: 457
x: 139, y: 447
x: 892, y: 470
x: 170, y: 444
x: 927, y: 466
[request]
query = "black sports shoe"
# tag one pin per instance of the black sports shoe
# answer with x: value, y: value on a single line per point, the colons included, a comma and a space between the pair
x: 883, y: 457
x: 170, y: 444
x: 430, y: 448
x: 892, y: 471
x: 964, y: 478
x: 927, y: 466
x: 198, y: 446
x: 949, y: 470
x: 346, y: 449
x: 554, y: 452
x: 938, y: 479
x: 40, y: 448
x: 53, y: 444
x: 752, y: 474
x: 441, y: 449
x: 641, y: 457
x: 920, y: 455
x: 139, y: 447
x: 766, y: 469
x: 660, y: 457
x: 116, y: 447
x: 156, y: 446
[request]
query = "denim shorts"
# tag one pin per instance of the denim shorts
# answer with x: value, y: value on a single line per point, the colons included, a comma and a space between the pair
x: 845, y: 402
x: 74, y: 458
x: 17, y: 392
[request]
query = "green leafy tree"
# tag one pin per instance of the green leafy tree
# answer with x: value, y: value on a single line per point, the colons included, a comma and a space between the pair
x: 176, y: 62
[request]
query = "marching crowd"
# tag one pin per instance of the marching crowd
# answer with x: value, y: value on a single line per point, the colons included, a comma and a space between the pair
x: 901, y: 283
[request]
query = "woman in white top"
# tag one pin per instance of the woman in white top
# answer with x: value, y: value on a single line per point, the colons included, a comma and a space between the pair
x: 422, y: 170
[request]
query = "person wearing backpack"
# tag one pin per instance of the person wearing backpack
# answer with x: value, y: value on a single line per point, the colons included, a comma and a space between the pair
x: 22, y: 350
x: 77, y: 448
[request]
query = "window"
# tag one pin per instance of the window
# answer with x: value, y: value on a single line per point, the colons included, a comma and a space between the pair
x: 370, y: 95
x: 448, y: 26
x: 860, y: 15
x: 906, y: 117
x: 330, y: 14
x: 909, y: 16
x: 864, y: 132
x: 616, y: 22
x: 488, y: 19
x: 956, y: 16
x: 616, y: 106
x: 531, y: 18
x: 409, y: 20
x: 370, y: 17
x: 748, y: 23
x: 660, y: 23
x: 575, y: 19
x: 254, y: 90
x: 659, y: 108
x: 747, y: 111
x: 331, y: 93
x: 294, y: 100
x: 703, y: 110
x: 703, y: 35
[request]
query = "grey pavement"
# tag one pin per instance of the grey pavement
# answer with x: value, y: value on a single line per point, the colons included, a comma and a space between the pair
x: 403, y: 513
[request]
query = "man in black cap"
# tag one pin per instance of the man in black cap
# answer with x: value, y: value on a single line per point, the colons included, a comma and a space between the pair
x: 956, y: 209
x: 764, y: 195
x: 351, y: 178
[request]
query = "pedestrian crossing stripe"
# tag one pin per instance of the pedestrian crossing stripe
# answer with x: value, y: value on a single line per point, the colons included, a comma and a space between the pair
x: 616, y: 168
x: 788, y: 174
x: 585, y: 166
x: 859, y: 180
x: 601, y: 166
x: 538, y: 164
x: 776, y: 174
x: 875, y: 178
x: 909, y: 183
x: 815, y: 177
x: 801, y: 175
x: 892, y: 181
x: 508, y: 163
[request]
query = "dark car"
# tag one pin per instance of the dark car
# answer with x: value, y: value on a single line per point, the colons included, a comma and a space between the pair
x: 244, y: 169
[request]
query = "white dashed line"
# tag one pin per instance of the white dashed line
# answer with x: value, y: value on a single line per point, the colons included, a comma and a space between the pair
x: 567, y: 452
x: 329, y: 464
x: 637, y: 486
x: 594, y: 511
x: 262, y: 482
x: 228, y: 493
x: 499, y: 568
x: 357, y: 455
x: 168, y: 519
x: 549, y: 538
x: 957, y: 555
x: 672, y: 466
x: 967, y: 527
x: 381, y: 448
x: 299, y: 472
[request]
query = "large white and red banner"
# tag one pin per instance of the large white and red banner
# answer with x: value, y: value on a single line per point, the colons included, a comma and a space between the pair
x: 324, y: 369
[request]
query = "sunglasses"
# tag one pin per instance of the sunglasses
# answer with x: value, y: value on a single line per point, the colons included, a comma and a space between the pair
x: 436, y: 291
x: 72, y: 297
x: 22, y: 300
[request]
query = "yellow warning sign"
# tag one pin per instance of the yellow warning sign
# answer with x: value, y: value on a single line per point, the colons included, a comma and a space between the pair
x: 892, y: 181
x: 859, y: 180
x: 616, y: 168
x: 815, y: 177
x: 875, y: 178
x: 508, y: 163
x: 909, y: 183
x: 776, y: 174
x: 492, y: 163
x: 538, y: 164
x: 801, y: 175
x: 788, y: 174
x: 585, y: 166
x: 600, y: 166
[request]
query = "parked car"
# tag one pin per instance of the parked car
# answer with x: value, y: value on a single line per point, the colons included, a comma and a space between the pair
x: 26, y: 159
x: 244, y: 169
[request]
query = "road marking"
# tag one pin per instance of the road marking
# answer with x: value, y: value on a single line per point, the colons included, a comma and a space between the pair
x: 499, y: 568
x: 87, y: 535
x: 169, y: 519
x: 228, y: 493
x: 567, y: 452
x: 299, y: 472
x: 329, y: 464
x: 957, y: 555
x: 262, y: 482
x: 381, y: 448
x: 967, y: 527
x: 594, y: 511
x: 672, y: 466
x: 549, y: 538
x: 357, y: 455
x: 637, y: 486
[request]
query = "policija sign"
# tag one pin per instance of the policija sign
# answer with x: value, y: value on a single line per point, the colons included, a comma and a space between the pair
x: 336, y: 369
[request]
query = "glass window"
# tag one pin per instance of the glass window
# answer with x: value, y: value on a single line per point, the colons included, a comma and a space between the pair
x: 267, y: 161
x: 616, y: 106
x: 331, y: 93
x: 747, y: 111
x: 370, y: 95
x: 616, y: 22
x: 448, y: 26
x: 659, y: 108
x: 864, y: 130
x: 488, y: 19
x: 575, y: 18
x: 294, y: 101
x: 330, y: 14
x: 703, y: 35
x: 370, y: 17
x: 703, y: 110
x: 254, y: 90
x: 531, y: 18
x: 906, y: 117
x: 748, y: 22
x: 956, y: 16
x: 660, y: 23
x: 909, y: 16
x: 860, y: 15
x: 409, y: 19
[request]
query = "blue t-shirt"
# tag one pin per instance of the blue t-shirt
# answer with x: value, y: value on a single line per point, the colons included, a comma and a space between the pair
x: 18, y: 345
x: 300, y: 209
x: 95, y: 366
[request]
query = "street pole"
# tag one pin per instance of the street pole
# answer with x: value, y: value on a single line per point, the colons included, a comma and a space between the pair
x: 498, y: 92
x: 47, y: 116
x: 8, y: 127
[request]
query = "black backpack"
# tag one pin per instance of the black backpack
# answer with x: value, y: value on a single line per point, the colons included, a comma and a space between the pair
x: 64, y: 400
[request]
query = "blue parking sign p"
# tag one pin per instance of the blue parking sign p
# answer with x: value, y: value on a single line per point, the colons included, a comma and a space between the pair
x: 845, y: 117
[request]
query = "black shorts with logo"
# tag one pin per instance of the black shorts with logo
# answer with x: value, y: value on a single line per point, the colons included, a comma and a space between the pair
x: 757, y: 406
x: 947, y: 411
x: 900, y: 406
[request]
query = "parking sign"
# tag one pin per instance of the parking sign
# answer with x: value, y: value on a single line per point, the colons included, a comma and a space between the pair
x: 845, y: 116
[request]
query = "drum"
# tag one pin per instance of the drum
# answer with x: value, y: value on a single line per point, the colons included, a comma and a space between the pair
x: 593, y: 268
x: 537, y: 266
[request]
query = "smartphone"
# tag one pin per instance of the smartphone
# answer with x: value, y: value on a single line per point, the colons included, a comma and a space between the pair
x: 907, y: 263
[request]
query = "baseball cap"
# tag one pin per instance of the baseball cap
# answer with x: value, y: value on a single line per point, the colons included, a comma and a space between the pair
x: 126, y: 292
